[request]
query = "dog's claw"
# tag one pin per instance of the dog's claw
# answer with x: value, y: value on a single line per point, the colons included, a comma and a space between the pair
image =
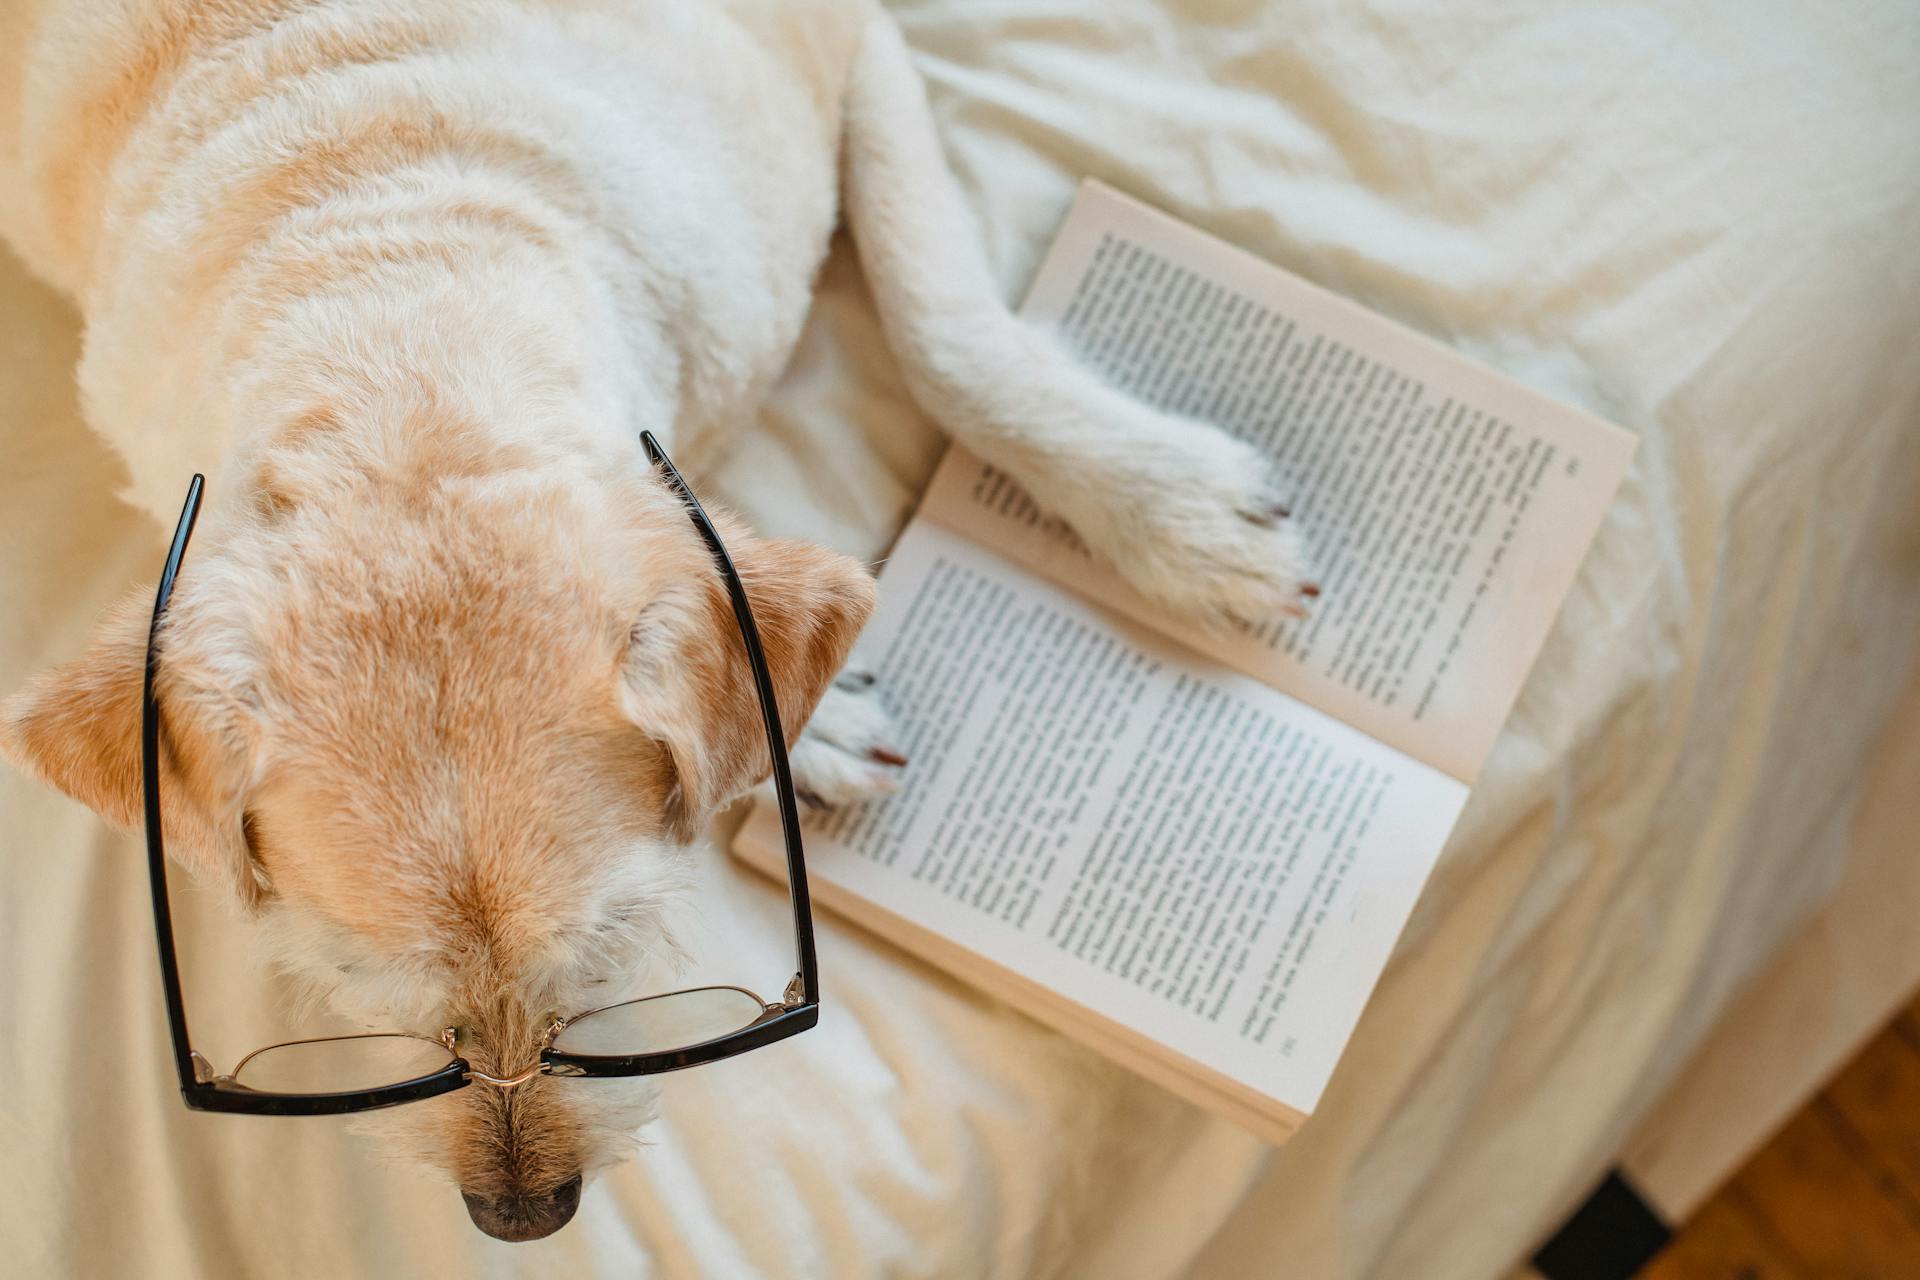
x: 847, y: 753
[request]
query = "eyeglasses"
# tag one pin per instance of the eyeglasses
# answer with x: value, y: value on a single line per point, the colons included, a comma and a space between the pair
x: 338, y: 1074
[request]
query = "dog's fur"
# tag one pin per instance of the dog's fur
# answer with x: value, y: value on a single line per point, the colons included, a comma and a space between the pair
x: 448, y: 684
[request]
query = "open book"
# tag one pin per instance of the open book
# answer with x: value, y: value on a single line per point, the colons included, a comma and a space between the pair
x: 1195, y: 852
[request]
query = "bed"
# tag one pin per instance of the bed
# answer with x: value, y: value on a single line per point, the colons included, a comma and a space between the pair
x: 1697, y: 221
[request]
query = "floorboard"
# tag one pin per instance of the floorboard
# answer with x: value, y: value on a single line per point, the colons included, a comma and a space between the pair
x: 1725, y: 1241
x: 1835, y: 1193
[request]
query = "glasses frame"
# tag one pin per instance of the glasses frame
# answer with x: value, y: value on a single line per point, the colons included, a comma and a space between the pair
x: 799, y: 1007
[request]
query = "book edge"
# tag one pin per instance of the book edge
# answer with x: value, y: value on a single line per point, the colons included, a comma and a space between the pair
x: 1618, y: 436
x: 1262, y: 1114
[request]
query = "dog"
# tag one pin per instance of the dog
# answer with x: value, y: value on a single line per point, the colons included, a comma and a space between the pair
x: 448, y: 685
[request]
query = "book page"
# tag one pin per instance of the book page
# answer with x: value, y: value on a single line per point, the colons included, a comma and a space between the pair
x: 1446, y: 508
x: 1174, y: 847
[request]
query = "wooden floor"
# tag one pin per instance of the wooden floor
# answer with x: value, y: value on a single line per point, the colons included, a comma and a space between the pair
x: 1835, y: 1193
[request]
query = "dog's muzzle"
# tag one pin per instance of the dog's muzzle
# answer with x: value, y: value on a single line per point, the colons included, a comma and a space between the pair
x: 516, y: 1218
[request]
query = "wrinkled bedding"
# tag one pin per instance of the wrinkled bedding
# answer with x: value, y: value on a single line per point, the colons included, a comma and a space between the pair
x: 1697, y: 221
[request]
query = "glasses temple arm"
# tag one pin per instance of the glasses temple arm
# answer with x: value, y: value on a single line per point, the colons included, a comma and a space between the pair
x: 183, y: 1055
x: 808, y: 976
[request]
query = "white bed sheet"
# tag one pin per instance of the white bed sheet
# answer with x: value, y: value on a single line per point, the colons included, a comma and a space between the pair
x: 1697, y: 224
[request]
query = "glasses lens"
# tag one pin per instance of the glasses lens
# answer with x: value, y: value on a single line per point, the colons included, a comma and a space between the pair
x: 342, y: 1065
x: 660, y: 1024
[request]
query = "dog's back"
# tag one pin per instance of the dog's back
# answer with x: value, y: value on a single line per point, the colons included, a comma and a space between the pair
x: 190, y: 168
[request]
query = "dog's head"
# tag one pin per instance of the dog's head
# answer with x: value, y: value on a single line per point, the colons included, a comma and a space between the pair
x: 446, y: 743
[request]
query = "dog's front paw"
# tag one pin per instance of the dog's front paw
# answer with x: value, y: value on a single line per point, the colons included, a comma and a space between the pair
x: 846, y: 752
x: 1195, y: 520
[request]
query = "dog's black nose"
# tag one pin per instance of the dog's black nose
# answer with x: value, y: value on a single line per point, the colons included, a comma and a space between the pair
x: 524, y: 1217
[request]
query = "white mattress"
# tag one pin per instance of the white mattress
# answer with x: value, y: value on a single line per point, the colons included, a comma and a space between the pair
x: 1698, y: 224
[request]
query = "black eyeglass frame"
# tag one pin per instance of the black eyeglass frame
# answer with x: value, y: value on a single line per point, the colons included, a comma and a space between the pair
x: 799, y: 1007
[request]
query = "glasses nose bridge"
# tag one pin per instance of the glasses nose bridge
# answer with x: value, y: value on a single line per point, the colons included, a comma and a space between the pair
x: 540, y: 1065
x: 506, y: 1082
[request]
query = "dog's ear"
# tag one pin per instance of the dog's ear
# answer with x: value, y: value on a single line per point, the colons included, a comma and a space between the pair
x: 687, y: 682
x: 77, y: 727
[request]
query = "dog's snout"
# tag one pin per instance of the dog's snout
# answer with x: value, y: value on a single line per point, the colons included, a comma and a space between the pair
x: 524, y: 1217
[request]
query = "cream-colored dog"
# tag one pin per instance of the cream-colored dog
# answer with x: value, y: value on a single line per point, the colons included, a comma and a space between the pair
x: 448, y: 683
